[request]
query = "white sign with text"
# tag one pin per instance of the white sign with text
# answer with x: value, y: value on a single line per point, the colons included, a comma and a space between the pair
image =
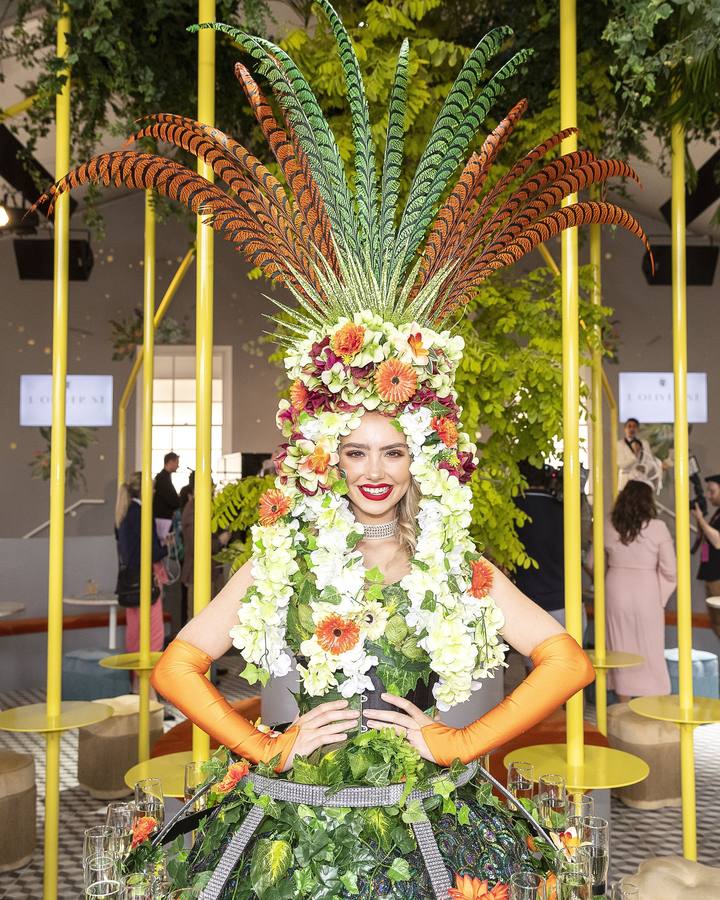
x: 650, y: 397
x: 88, y: 398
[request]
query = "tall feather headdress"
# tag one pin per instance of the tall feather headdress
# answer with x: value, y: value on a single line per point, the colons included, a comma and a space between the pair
x: 340, y: 249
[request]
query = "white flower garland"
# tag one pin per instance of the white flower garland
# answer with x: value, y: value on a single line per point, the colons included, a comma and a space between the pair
x: 458, y: 630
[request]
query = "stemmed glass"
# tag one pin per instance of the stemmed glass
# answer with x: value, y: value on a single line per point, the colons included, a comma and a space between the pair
x: 149, y: 801
x: 100, y: 865
x: 138, y: 887
x: 594, y: 834
x: 194, y: 779
x: 527, y: 886
x: 552, y: 800
x: 106, y: 889
x: 573, y: 886
x: 119, y: 817
x: 580, y: 805
x: 520, y: 780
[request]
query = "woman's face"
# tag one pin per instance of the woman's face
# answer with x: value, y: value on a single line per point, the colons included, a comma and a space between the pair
x: 712, y: 492
x: 376, y: 462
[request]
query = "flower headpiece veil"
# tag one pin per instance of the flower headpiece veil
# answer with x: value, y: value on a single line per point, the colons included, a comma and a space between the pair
x: 373, y: 285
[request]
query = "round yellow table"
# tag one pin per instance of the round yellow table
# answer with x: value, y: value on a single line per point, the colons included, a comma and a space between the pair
x: 704, y: 710
x: 130, y: 662
x: 170, y: 769
x: 604, y: 767
x: 615, y: 659
x: 73, y: 714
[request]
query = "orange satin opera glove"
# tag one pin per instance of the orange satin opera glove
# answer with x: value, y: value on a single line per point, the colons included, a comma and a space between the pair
x: 180, y: 677
x: 561, y: 669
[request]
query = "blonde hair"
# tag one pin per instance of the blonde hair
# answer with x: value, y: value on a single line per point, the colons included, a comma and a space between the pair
x: 126, y: 492
x: 407, y: 513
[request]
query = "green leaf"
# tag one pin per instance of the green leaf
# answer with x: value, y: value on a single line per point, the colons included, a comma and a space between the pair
x: 399, y: 870
x: 378, y: 775
x: 271, y: 860
x: 250, y: 673
x: 305, y: 881
x: 396, y: 680
x: 396, y: 630
x: 414, y: 812
x: 378, y: 826
x: 349, y: 882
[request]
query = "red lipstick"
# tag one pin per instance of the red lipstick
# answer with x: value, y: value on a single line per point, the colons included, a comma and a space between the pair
x: 375, y: 491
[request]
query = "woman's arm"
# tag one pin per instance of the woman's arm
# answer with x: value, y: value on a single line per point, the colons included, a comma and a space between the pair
x: 561, y: 668
x: 711, y: 535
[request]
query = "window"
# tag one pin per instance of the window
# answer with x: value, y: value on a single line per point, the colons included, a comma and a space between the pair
x: 174, y: 420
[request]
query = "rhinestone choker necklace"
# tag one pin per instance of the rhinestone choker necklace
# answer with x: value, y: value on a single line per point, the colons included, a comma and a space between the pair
x: 380, y: 532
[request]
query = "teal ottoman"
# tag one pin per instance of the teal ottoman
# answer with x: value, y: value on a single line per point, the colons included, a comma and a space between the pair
x: 706, y: 679
x: 83, y: 678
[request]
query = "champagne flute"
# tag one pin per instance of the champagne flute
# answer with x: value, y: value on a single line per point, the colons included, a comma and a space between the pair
x: 138, y: 887
x: 527, y: 886
x: 573, y: 886
x: 194, y: 779
x: 520, y: 779
x: 595, y: 844
x: 552, y: 800
x: 149, y: 801
x: 119, y: 817
x: 580, y: 805
x: 104, y: 889
x: 98, y: 841
x: 100, y: 869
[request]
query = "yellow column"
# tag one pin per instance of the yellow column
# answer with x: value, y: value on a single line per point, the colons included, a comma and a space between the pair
x: 598, y: 494
x: 146, y: 490
x: 137, y: 363
x: 571, y: 383
x: 204, y: 352
x: 57, y: 469
x: 682, y: 488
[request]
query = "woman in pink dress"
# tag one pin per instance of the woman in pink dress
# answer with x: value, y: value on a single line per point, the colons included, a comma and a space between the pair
x: 641, y: 576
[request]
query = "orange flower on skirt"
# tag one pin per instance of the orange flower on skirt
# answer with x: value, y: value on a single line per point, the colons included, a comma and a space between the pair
x: 337, y: 635
x: 467, y: 888
x: 446, y: 430
x: 273, y: 506
x: 234, y: 774
x: 482, y: 579
x: 143, y: 827
x: 298, y: 395
x: 395, y: 381
x: 348, y: 340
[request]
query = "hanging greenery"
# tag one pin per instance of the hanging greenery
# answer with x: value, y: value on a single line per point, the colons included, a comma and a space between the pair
x: 78, y: 440
x: 127, y: 333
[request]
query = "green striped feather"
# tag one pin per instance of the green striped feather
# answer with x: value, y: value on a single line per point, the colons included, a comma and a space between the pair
x: 394, y: 143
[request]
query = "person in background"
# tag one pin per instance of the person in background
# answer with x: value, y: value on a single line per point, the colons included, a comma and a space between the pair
x: 165, y: 497
x: 635, y: 458
x: 641, y: 576
x: 542, y: 537
x: 127, y: 524
x: 219, y: 541
x: 709, y: 539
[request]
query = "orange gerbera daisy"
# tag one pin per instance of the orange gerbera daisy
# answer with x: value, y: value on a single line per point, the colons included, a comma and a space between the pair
x: 298, y: 394
x: 236, y: 772
x: 416, y: 345
x: 273, y: 506
x: 395, y: 381
x: 482, y: 578
x: 142, y: 828
x: 348, y: 340
x: 446, y: 430
x: 337, y: 635
x: 467, y: 888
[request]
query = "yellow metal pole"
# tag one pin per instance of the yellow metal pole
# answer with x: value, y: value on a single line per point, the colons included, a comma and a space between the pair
x: 598, y: 492
x: 146, y: 489
x: 612, y: 403
x: 17, y: 108
x: 682, y: 488
x: 571, y: 384
x: 204, y: 353
x: 549, y: 261
x: 57, y: 468
x: 137, y: 362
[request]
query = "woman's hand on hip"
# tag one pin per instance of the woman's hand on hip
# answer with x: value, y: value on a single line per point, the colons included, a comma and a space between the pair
x: 328, y: 723
x: 408, y: 723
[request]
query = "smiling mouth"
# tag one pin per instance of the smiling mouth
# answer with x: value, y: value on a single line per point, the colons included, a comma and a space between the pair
x: 375, y: 491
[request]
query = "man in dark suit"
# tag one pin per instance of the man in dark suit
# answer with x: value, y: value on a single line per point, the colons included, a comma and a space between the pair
x: 165, y: 497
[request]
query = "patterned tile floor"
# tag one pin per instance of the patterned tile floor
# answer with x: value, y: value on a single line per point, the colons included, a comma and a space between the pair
x: 636, y: 835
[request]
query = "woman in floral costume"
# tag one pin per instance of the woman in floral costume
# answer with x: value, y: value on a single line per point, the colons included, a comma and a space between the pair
x: 363, y: 574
